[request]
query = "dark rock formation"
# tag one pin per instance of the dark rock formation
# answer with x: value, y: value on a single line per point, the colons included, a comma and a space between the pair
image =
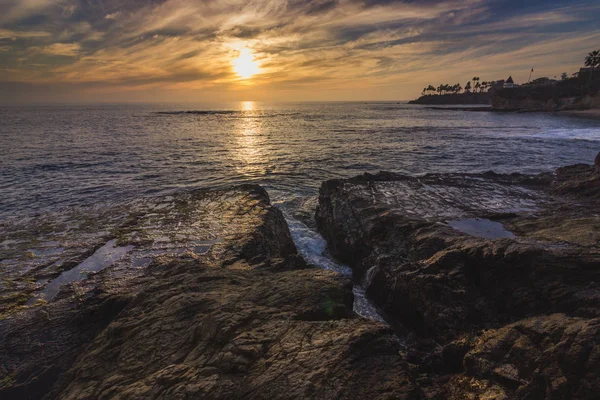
x: 494, y: 278
x: 543, y: 357
x: 572, y: 94
x: 244, y: 318
x: 451, y: 254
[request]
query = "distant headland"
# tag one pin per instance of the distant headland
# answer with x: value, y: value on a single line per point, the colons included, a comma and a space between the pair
x: 579, y: 91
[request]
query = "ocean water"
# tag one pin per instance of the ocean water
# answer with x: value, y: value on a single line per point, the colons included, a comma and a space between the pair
x: 55, y: 158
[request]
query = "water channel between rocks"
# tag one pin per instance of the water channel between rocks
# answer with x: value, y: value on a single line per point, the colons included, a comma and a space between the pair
x: 313, y: 247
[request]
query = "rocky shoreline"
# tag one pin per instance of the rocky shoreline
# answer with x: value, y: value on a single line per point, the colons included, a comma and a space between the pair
x: 495, y: 275
x: 244, y: 317
x: 489, y: 284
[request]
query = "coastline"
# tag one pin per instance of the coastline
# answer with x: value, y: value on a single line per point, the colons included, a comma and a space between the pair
x: 587, y: 114
x: 457, y: 264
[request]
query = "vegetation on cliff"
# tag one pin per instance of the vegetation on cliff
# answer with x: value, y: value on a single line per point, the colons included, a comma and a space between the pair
x: 502, y: 93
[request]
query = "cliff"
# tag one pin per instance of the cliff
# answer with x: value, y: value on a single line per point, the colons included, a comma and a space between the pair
x: 448, y: 99
x: 572, y: 94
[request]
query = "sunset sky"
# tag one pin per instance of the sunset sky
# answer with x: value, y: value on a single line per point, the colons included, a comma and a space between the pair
x: 208, y: 50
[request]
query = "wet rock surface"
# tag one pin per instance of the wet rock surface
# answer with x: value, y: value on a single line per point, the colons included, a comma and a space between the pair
x: 489, y: 284
x: 206, y: 297
x: 497, y: 276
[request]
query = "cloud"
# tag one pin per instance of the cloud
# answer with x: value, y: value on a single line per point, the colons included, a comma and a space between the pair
x: 8, y: 34
x: 62, y: 49
x: 393, y: 46
x: 14, y: 10
x: 114, y: 16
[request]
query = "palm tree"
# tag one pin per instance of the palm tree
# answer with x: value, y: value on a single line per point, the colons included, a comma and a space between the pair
x: 468, y: 87
x: 475, y: 80
x: 592, y: 60
x: 478, y: 87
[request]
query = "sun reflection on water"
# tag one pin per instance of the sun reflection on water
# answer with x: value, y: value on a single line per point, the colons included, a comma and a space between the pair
x: 249, y: 147
x: 247, y: 106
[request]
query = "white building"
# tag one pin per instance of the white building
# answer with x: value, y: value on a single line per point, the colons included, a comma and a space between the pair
x: 509, y: 83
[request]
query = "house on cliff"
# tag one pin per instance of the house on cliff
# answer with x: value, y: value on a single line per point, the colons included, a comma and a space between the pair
x: 509, y: 83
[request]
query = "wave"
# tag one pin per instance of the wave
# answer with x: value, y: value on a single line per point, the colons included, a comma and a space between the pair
x: 572, y: 134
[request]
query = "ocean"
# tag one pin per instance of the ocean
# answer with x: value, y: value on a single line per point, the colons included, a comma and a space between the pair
x: 57, y: 159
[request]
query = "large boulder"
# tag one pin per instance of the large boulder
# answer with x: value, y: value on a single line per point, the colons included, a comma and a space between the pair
x: 546, y: 357
x: 451, y: 255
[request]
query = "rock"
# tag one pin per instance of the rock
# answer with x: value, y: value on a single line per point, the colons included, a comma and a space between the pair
x: 245, y: 319
x: 449, y: 255
x: 396, y: 233
x: 542, y: 357
x: 207, y: 332
x: 578, y: 181
x: 454, y: 99
x: 562, y: 95
x: 491, y: 279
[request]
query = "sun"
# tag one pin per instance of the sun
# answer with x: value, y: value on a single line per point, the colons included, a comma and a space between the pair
x: 244, y: 65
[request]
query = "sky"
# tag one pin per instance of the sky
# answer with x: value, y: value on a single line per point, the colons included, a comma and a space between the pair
x: 278, y: 50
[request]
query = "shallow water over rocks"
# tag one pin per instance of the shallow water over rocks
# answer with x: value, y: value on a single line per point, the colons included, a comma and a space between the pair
x: 104, y: 257
x: 481, y: 227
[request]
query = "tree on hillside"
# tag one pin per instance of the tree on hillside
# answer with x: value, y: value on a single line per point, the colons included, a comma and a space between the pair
x: 544, y: 80
x: 592, y: 60
x: 564, y: 76
x: 475, y: 81
x: 429, y: 90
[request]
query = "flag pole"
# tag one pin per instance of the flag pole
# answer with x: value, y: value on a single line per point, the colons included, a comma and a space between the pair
x: 530, y: 75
